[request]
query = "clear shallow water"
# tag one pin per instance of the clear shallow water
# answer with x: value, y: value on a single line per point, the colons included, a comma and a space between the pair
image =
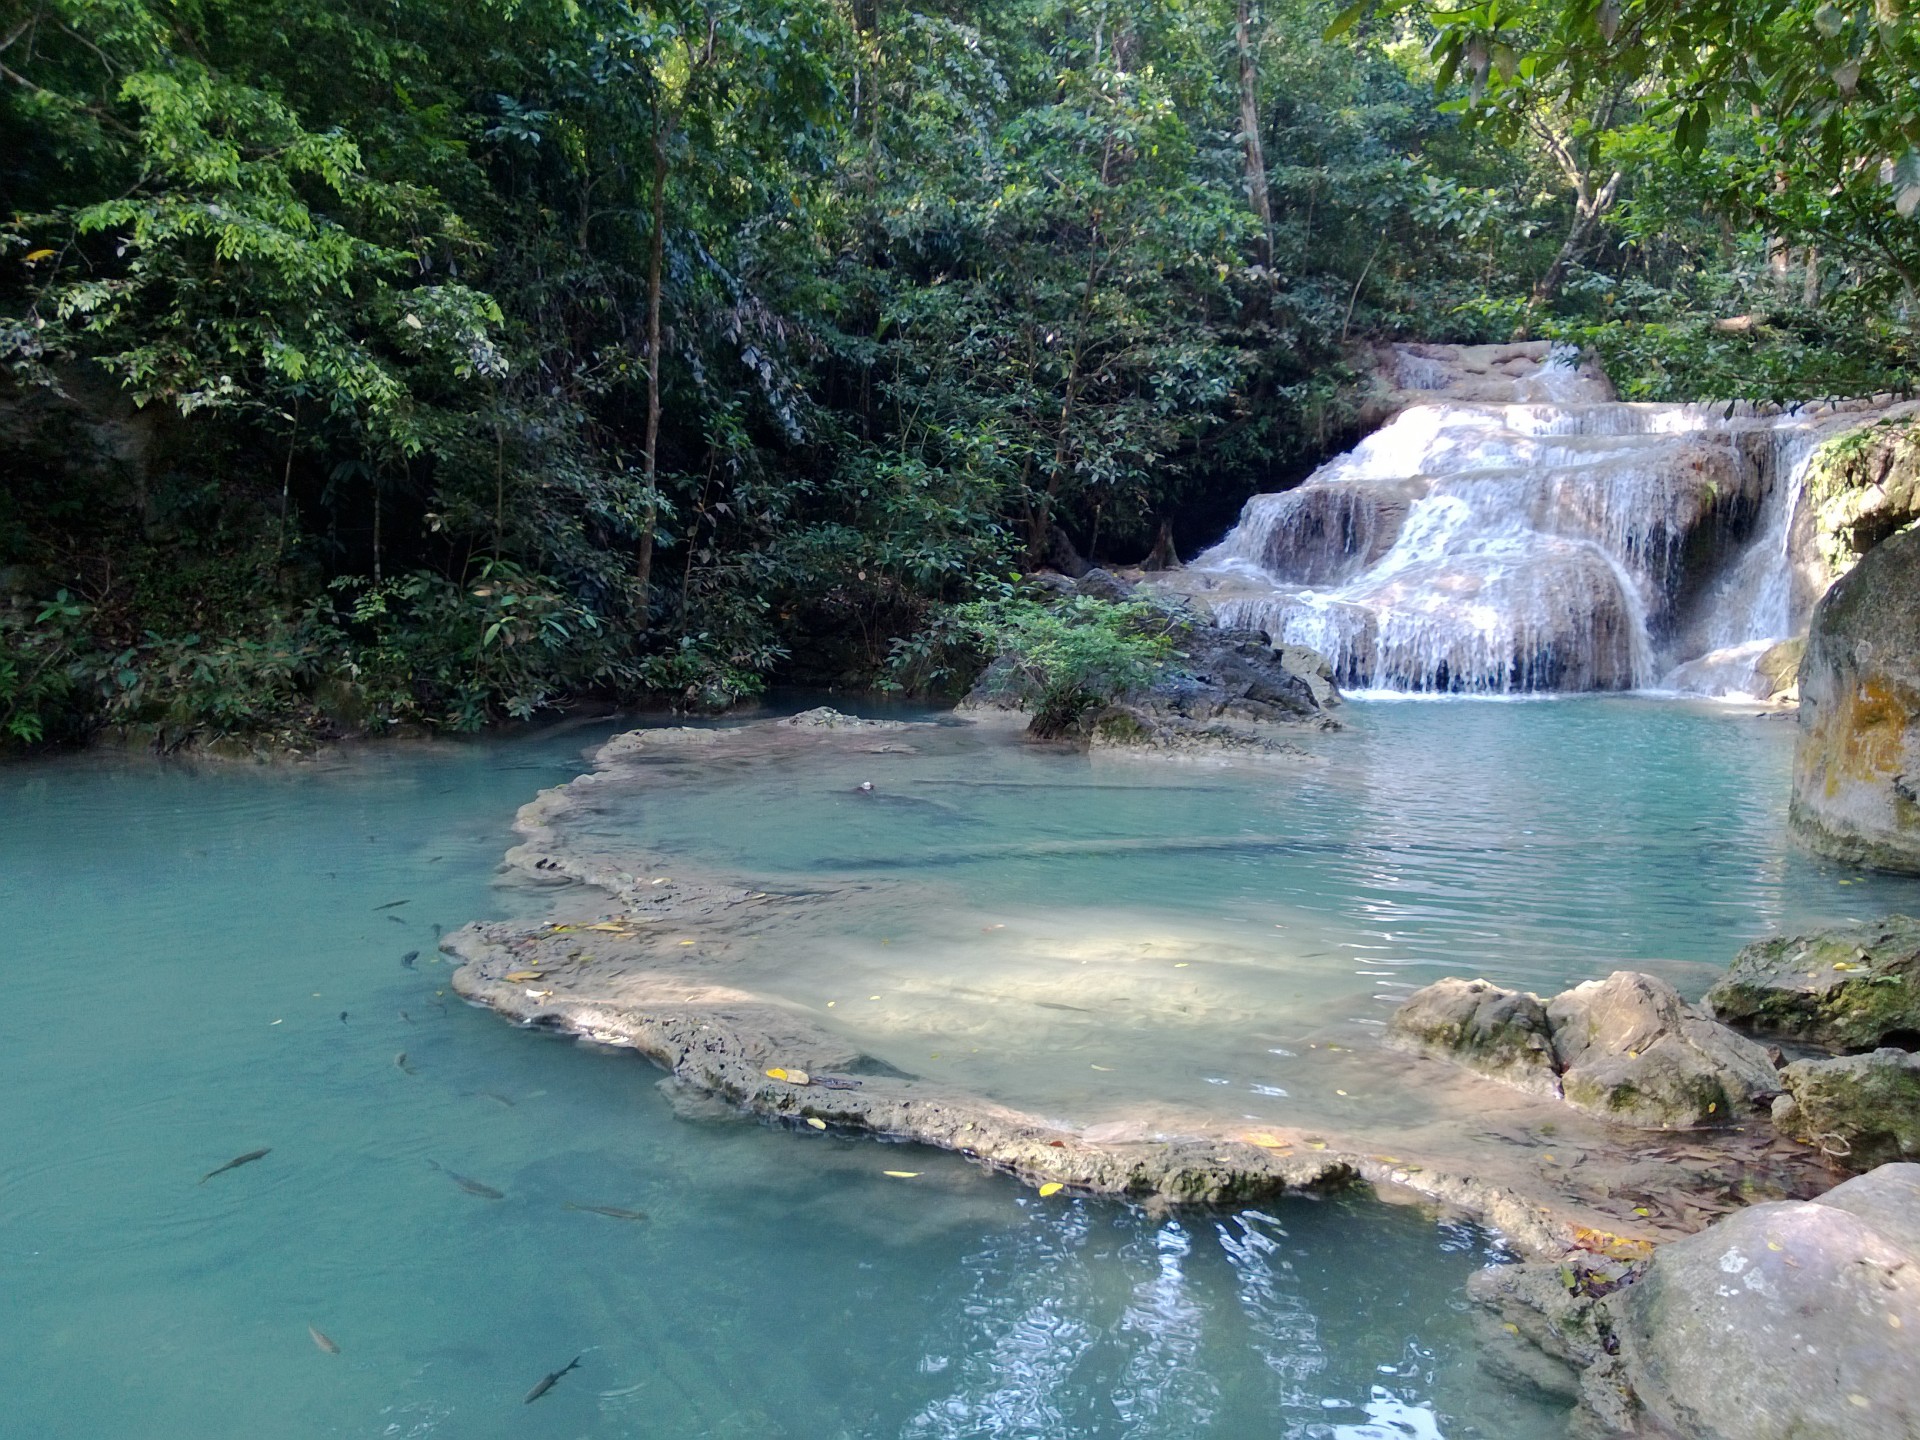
x: 1109, y: 940
x: 179, y: 944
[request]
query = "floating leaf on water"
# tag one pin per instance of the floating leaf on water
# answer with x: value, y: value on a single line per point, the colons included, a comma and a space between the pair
x: 902, y: 1174
x: 816, y: 1124
x: 1052, y: 1187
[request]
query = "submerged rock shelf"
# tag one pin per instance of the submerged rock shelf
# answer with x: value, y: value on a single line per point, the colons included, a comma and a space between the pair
x: 687, y: 969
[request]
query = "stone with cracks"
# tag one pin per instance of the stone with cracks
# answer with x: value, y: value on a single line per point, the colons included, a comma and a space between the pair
x: 1854, y: 987
x: 1861, y: 1110
x: 1786, y: 1321
x: 1502, y: 1034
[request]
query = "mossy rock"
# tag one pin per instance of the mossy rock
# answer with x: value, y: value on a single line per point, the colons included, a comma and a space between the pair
x: 1856, y: 987
x: 1862, y: 1110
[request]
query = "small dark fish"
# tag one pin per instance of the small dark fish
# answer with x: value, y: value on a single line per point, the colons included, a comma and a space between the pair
x: 400, y: 1061
x: 390, y: 905
x: 343, y: 1017
x: 408, y: 958
x: 612, y: 1212
x: 436, y: 929
x: 406, y: 1017
x: 396, y: 919
x: 468, y: 1184
x: 237, y: 1162
x: 432, y: 858
x: 323, y: 1341
x: 547, y: 1382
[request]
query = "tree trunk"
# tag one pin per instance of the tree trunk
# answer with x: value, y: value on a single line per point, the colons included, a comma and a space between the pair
x: 1250, y: 133
x: 650, y: 456
x: 1588, y: 207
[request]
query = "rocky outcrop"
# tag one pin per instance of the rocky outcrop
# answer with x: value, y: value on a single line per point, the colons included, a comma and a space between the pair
x: 1857, y: 763
x: 1626, y: 1048
x: 1854, y: 987
x: 1787, y: 1321
x: 1501, y: 1034
x: 1226, y: 690
x: 1860, y: 487
x: 1860, y: 1110
x: 1630, y: 1048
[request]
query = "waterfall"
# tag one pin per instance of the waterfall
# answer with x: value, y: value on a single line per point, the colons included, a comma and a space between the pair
x: 1559, y: 543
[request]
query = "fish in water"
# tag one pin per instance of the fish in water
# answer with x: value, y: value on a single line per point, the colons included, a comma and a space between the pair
x: 408, y: 958
x: 406, y: 1017
x: 612, y: 1212
x: 396, y: 919
x: 547, y: 1382
x: 323, y: 1341
x: 343, y: 1017
x: 237, y: 1162
x: 391, y: 905
x: 468, y: 1184
x: 400, y: 1061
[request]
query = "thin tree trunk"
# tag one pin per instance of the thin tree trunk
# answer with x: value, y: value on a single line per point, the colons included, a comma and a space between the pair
x: 650, y: 456
x: 1250, y: 133
x: 1588, y: 207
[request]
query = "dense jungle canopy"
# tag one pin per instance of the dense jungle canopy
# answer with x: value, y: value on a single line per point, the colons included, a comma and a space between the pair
x: 425, y: 363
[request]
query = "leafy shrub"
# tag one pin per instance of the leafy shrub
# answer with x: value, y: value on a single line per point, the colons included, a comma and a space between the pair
x: 1065, y: 658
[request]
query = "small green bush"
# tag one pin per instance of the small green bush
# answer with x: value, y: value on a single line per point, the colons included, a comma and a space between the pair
x: 1067, y: 657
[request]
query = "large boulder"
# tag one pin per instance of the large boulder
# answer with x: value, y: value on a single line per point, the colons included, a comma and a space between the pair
x: 1857, y: 763
x: 1855, y: 987
x: 1862, y: 1110
x: 1789, y: 1321
x: 1626, y: 1048
x: 1629, y: 1048
x: 1501, y: 1034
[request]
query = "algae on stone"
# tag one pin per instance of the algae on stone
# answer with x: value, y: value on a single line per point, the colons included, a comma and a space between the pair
x: 1854, y: 987
x: 1861, y: 1110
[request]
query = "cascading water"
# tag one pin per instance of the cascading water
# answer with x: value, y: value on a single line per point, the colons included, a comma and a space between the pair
x: 1564, y: 541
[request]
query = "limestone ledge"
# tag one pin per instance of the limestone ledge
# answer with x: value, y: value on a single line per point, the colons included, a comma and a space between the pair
x: 635, y: 992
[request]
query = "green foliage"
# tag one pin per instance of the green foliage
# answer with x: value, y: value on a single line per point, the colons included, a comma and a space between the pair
x: 328, y: 387
x: 1066, y: 657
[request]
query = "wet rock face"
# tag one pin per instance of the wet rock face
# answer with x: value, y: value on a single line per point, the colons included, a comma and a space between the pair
x: 1502, y: 1034
x: 1855, y: 987
x: 1786, y: 1321
x: 1857, y: 763
x: 1861, y: 1110
x: 1627, y: 1048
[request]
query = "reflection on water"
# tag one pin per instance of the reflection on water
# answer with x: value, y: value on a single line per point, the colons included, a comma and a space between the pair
x: 205, y: 962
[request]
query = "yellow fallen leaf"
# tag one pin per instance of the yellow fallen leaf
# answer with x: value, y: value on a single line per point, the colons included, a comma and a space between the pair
x: 1642, y: 1211
x: 34, y: 257
x: 608, y: 926
x: 686, y: 942
x: 1180, y: 964
x: 816, y: 1124
x: 1318, y: 1144
x: 777, y: 1073
x: 902, y: 1174
x: 1775, y: 1245
x: 514, y: 977
x: 1339, y: 1092
x: 1268, y: 1141
x: 1052, y: 1187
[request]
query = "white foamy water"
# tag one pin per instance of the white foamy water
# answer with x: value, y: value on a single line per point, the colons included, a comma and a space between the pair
x: 1563, y: 545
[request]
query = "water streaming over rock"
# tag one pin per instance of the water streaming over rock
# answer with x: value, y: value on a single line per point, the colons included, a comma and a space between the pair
x: 1560, y: 541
